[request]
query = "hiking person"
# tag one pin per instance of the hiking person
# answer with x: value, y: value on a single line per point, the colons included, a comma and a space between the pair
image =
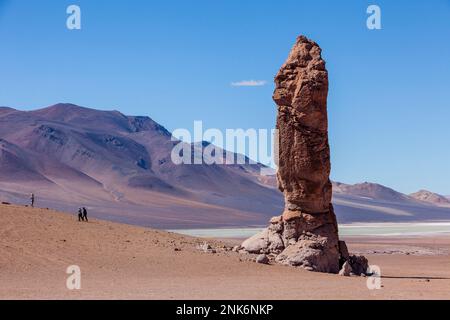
x: 80, y: 215
x: 32, y: 200
x: 85, y: 218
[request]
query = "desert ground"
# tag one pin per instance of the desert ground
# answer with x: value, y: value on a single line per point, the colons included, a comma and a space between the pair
x: 119, y: 261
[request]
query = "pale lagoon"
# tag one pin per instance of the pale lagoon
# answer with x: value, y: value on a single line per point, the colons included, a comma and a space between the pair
x: 356, y: 229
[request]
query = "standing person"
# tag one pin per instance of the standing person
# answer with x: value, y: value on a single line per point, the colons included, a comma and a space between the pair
x: 85, y: 218
x: 80, y: 215
x: 32, y: 200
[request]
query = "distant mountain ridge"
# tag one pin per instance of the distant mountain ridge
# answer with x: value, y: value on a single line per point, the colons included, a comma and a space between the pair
x: 370, y: 190
x: 120, y: 168
x: 431, y: 197
x: 380, y: 192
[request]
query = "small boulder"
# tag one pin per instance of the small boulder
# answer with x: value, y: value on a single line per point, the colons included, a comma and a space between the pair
x: 263, y: 259
x: 258, y: 243
x: 346, y: 270
x: 359, y: 264
x: 236, y: 248
x: 313, y: 251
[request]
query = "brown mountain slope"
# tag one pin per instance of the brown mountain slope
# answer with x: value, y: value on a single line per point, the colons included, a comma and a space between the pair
x: 120, y: 168
x: 430, y: 197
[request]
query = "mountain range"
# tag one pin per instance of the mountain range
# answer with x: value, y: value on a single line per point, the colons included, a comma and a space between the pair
x: 120, y: 168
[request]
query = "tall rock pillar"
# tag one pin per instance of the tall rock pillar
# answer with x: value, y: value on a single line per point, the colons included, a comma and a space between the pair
x: 306, y: 234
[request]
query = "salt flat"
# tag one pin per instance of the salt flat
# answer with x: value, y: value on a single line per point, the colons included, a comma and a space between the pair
x: 354, y: 229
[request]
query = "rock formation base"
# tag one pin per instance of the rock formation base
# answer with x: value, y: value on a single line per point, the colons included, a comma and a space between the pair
x: 287, y: 242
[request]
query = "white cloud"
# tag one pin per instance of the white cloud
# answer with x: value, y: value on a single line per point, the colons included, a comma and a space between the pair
x: 249, y: 83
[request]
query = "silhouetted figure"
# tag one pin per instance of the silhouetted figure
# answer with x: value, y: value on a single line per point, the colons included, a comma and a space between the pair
x: 85, y: 218
x: 32, y: 200
x: 80, y: 215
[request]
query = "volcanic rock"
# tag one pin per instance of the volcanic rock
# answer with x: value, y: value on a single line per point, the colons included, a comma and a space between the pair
x: 258, y: 243
x: 304, y: 160
x: 359, y: 264
x: 306, y: 234
x: 311, y: 251
x: 262, y: 258
x: 346, y: 270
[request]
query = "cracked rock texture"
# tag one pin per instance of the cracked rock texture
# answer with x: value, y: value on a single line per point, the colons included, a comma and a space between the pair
x: 306, y: 234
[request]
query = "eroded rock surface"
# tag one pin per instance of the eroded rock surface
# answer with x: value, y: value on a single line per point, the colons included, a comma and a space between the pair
x: 304, y: 154
x: 346, y: 270
x: 306, y: 234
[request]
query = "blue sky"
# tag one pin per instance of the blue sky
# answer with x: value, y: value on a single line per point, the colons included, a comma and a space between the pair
x: 174, y: 61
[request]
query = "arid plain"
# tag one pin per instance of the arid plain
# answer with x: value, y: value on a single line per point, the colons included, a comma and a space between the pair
x: 119, y: 261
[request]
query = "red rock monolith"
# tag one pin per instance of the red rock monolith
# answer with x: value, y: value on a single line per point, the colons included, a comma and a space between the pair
x: 306, y: 234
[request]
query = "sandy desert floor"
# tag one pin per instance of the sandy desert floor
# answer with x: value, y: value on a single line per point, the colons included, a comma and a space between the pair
x: 125, y: 262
